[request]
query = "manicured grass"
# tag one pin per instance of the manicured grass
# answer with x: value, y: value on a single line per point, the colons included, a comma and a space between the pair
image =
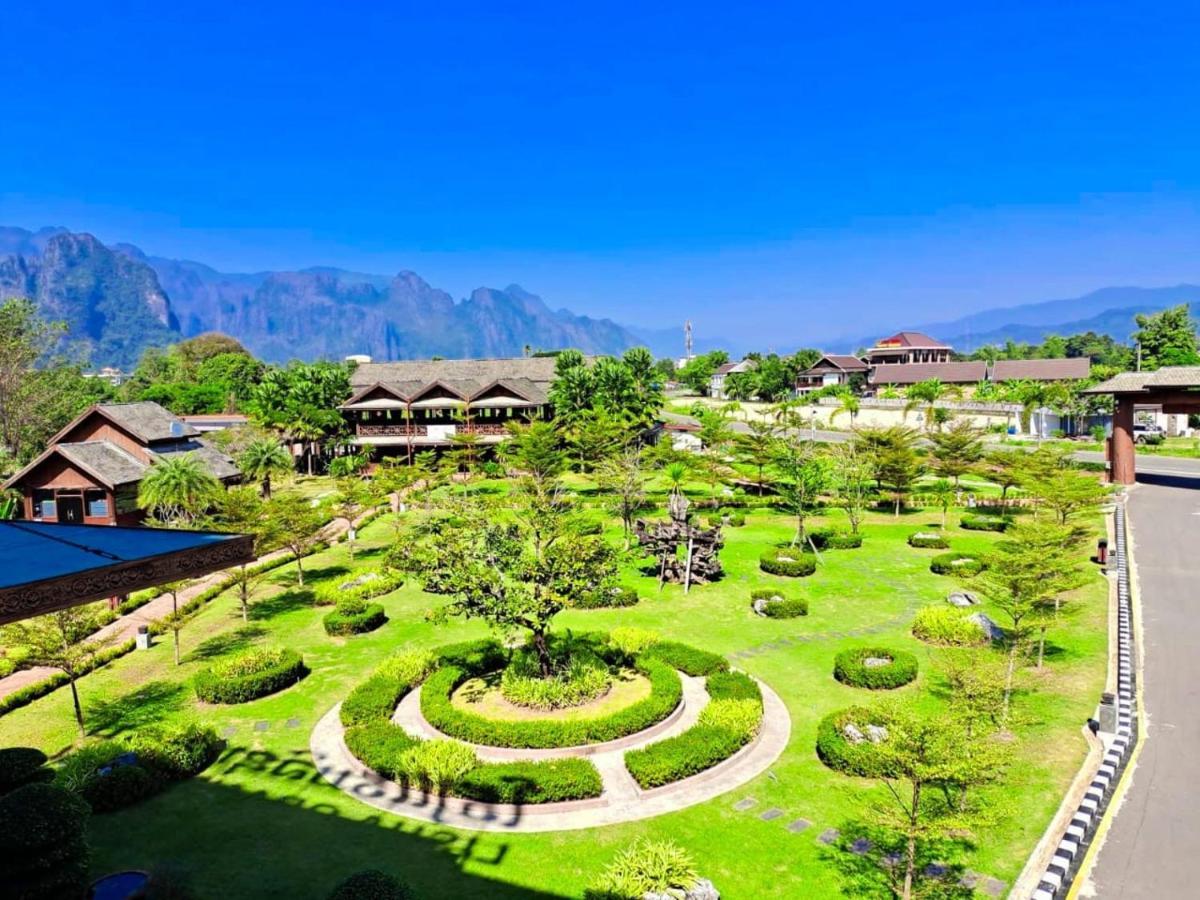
x: 262, y: 822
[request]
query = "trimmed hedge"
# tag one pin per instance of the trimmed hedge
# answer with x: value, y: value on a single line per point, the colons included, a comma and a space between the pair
x: 689, y: 660
x: 331, y: 593
x: 44, y: 852
x: 665, y: 693
x: 837, y: 752
x: 371, y: 884
x: 850, y: 668
x: 830, y: 538
x: 22, y: 765
x: 177, y: 752
x: 249, y: 676
x: 961, y: 564
x: 546, y: 781
x: 700, y: 747
x: 925, y: 540
x: 379, y: 745
x: 973, y: 522
x: 354, y: 617
x: 733, y: 686
x: 375, y: 699
x: 777, y: 606
x: 609, y: 598
x: 947, y: 626
x: 792, y: 562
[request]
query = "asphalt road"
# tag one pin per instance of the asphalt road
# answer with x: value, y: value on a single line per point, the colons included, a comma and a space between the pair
x: 1153, y: 844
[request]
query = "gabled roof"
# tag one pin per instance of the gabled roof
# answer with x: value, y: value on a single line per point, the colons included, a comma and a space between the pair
x: 482, y: 371
x: 145, y: 420
x: 1144, y: 382
x: 103, y: 461
x: 218, y: 464
x: 947, y: 372
x: 733, y: 368
x: 909, y: 339
x: 1041, y: 369
x: 844, y: 362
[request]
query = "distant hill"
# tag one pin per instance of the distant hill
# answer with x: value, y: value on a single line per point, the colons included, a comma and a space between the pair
x: 118, y: 301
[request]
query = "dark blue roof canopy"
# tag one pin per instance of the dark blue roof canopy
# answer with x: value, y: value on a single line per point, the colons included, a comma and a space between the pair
x: 45, y: 567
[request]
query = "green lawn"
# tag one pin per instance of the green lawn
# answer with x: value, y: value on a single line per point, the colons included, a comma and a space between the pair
x: 262, y: 823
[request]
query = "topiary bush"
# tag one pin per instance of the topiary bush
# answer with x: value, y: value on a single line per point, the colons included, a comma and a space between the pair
x: 928, y: 540
x: 546, y: 781
x: 608, y: 598
x: 973, y: 522
x: 371, y: 884
x: 689, y: 660
x: 791, y: 562
x: 44, y: 853
x: 22, y: 765
x: 176, y: 751
x: 354, y: 617
x: 375, y: 699
x: 732, y: 686
x: 772, y: 604
x: 857, y: 756
x: 830, y: 538
x: 961, y: 564
x: 657, y: 868
x: 947, y: 626
x: 250, y: 675
x: 365, y: 586
x: 630, y: 641
x: 851, y: 667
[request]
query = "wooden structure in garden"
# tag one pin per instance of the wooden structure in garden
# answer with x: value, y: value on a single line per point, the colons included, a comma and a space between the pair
x: 699, y: 563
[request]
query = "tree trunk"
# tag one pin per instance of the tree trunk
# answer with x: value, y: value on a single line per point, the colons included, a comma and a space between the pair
x: 175, y: 622
x: 299, y: 569
x: 78, y: 706
x: 266, y: 486
x: 1041, y: 646
x: 543, y: 652
x: 897, y: 512
x: 310, y: 458
x: 910, y: 863
x: 1008, y: 681
x: 244, y: 593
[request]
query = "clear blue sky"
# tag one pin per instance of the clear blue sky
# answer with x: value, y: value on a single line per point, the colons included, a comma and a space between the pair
x: 740, y: 164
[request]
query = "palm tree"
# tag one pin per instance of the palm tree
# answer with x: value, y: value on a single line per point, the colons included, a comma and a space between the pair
x: 263, y: 458
x: 177, y: 489
x: 927, y: 394
x: 848, y: 403
x: 943, y: 493
x: 676, y: 473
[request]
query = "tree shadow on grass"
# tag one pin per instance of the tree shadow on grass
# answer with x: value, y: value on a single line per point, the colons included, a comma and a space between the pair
x: 147, y: 705
x: 229, y: 642
x: 871, y: 862
x: 284, y: 601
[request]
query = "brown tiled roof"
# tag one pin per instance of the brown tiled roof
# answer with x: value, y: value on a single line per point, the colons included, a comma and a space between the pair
x: 844, y: 362
x: 1138, y: 382
x: 104, y: 460
x: 483, y: 371
x: 1041, y: 369
x: 910, y: 339
x: 220, y: 466
x: 148, y: 421
x: 911, y: 373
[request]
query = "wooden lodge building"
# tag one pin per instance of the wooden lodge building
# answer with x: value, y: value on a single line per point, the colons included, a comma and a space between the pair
x: 89, y: 475
x: 404, y: 407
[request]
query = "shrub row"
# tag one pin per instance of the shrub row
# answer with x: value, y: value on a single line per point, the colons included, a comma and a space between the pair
x: 546, y: 781
x: 733, y: 686
x: 792, y: 562
x: 43, y: 842
x: 608, y: 598
x: 829, y: 538
x: 927, y: 540
x: 331, y: 592
x: 375, y: 699
x: 250, y: 675
x: 354, y: 617
x: 840, y: 754
x: 947, y: 626
x: 962, y: 564
x: 850, y: 668
x: 984, y: 523
x: 689, y: 660
x: 776, y: 606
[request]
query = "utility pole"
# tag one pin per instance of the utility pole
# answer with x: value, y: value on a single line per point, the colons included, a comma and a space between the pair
x: 687, y: 339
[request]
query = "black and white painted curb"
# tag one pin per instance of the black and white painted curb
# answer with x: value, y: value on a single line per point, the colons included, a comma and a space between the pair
x: 1064, y: 867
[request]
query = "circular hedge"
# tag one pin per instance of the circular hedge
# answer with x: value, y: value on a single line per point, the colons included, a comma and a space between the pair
x: 851, y: 667
x: 973, y: 522
x: 928, y: 540
x: 962, y: 564
x: 788, y: 561
x: 833, y: 539
x: 43, y: 842
x: 354, y: 617
x: 836, y: 749
x: 773, y: 605
x: 249, y: 676
x: 608, y: 598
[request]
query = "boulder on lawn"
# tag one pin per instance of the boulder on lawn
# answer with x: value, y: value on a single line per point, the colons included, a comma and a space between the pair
x: 703, y: 889
x: 989, y: 626
x: 877, y: 662
x: 358, y: 582
x: 962, y: 598
x: 852, y: 733
x: 877, y: 733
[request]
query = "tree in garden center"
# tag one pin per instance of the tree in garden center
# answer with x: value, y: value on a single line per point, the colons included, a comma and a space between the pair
x: 425, y: 465
x: 351, y: 499
x: 177, y: 490
x: 514, y: 574
x: 976, y: 683
x: 623, y: 478
x: 263, y: 459
x: 296, y: 525
x: 942, y: 492
x: 716, y: 435
x: 65, y: 640
x: 804, y: 472
x: 1167, y: 338
x: 392, y: 478
x: 351, y: 464
x: 647, y: 398
x: 956, y: 449
x: 242, y: 511
x: 594, y: 436
x: 756, y: 447
x: 465, y: 450
x: 851, y: 480
x: 893, y: 459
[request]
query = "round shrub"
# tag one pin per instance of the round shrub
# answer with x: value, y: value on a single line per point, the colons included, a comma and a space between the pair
x: 43, y: 843
x: 973, y: 522
x: 354, y: 617
x: 773, y: 605
x: 608, y: 598
x: 789, y: 561
x: 371, y: 884
x: 22, y: 765
x: 962, y: 564
x: 177, y: 751
x: 928, y: 540
x: 947, y: 626
x: 834, y: 539
x: 578, y: 678
x: 656, y: 868
x: 847, y: 741
x: 436, y: 766
x: 860, y: 667
x: 365, y: 586
x: 250, y: 675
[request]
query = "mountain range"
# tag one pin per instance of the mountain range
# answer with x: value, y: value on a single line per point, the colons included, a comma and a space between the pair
x: 117, y: 301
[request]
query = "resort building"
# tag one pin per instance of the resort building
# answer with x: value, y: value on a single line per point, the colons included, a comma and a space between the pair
x: 906, y: 348
x: 831, y: 370
x: 89, y: 475
x: 716, y: 384
x: 402, y: 407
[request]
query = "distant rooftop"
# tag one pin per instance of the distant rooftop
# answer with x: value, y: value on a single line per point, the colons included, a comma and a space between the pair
x: 481, y: 371
x: 1041, y: 369
x: 1144, y: 382
x: 912, y: 373
x: 910, y: 339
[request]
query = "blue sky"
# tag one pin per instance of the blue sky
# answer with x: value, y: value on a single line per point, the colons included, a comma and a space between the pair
x: 822, y: 165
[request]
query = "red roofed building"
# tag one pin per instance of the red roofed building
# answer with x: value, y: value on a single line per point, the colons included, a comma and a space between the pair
x: 830, y: 369
x: 905, y: 347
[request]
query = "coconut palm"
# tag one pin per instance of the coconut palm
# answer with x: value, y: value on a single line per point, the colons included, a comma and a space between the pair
x: 177, y: 489
x: 847, y: 403
x: 264, y: 458
x: 927, y: 394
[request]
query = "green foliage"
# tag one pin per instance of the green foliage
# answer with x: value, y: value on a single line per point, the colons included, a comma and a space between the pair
x: 830, y: 538
x: 648, y: 867
x: 177, y: 489
x: 371, y: 884
x: 1167, y: 338
x: 689, y: 660
x: 738, y: 716
x: 264, y: 459
x: 962, y: 565
x: 547, y: 781
x: 698, y: 372
x: 699, y: 748
x: 849, y: 667
x: 840, y: 754
x: 375, y: 699
x: 21, y: 765
x: 777, y: 606
x: 985, y: 523
x: 436, y: 766
x: 354, y: 617
x: 956, y: 449
x: 630, y: 641
x: 788, y: 561
x: 379, y: 745
x: 579, y: 676
x: 44, y: 852
x: 332, y: 593
x: 250, y: 675
x: 176, y: 751
x: 926, y: 540
x: 947, y: 626
x: 733, y: 686
x: 614, y: 597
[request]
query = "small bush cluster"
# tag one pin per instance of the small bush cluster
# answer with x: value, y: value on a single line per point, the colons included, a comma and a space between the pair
x: 733, y: 686
x: 43, y: 843
x: 379, y: 746
x: 727, y: 518
x: 850, y: 667
x: 332, y: 593
x: 580, y: 677
x: 20, y: 766
x: 973, y: 522
x: 928, y: 540
x: 947, y: 626
x: 436, y: 766
x: 773, y: 605
x: 960, y: 564
x: 371, y: 884
x: 657, y: 868
x: 608, y: 598
x: 354, y: 617
x: 789, y: 561
x: 689, y: 660
x: 842, y: 755
x: 250, y: 675
x: 830, y: 538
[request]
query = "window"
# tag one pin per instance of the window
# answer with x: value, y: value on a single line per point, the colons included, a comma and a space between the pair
x: 96, y: 503
x: 44, y: 506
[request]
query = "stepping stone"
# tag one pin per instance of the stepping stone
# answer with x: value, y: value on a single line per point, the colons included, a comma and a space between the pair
x: 261, y: 726
x: 969, y: 879
x: 828, y: 836
x: 993, y: 887
x: 860, y: 847
x: 743, y: 805
x: 292, y: 723
x: 229, y: 731
x: 799, y: 825
x: 773, y: 813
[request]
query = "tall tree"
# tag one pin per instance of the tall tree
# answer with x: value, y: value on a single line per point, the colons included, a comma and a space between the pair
x: 1167, y: 338
x: 263, y: 459
x: 296, y: 524
x: 25, y: 338
x: 756, y: 446
x: 242, y: 511
x: 352, y: 497
x: 956, y: 449
x: 1002, y: 467
x: 942, y: 492
x: 177, y: 490
x: 533, y: 448
x: 926, y: 395
x: 851, y: 480
x: 804, y: 473
x: 623, y: 477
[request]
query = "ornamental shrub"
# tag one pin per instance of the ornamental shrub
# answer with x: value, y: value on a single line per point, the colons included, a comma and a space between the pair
x: 250, y: 675
x: 790, y: 561
x: 838, y: 752
x: 689, y: 660
x: 176, y: 751
x: 948, y: 626
x: 739, y: 716
x: 608, y: 598
x: 370, y: 586
x: 371, y: 884
x: 829, y: 538
x: 578, y: 678
x: 770, y: 603
x: 850, y: 667
x: 953, y: 563
x: 379, y: 746
x: 727, y: 518
x: 630, y: 641
x: 409, y: 666
x: 44, y: 853
x: 354, y: 617
x: 928, y: 540
x: 659, y: 868
x: 436, y: 766
x: 973, y: 522
x: 546, y: 781
x: 118, y: 786
x: 733, y: 686
x: 483, y: 655
x: 375, y: 699
x: 700, y: 747
x: 22, y: 765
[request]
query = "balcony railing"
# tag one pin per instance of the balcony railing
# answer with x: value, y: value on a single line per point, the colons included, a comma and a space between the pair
x: 402, y: 430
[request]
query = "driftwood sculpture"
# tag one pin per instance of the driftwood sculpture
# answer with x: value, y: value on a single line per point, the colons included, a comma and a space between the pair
x: 663, y: 540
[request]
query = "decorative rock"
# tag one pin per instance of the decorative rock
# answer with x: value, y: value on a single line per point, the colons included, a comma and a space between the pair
x: 877, y: 733
x: 358, y: 582
x: 799, y: 825
x: 875, y: 662
x: 703, y: 889
x: 962, y: 598
x: 760, y: 606
x: 828, y: 836
x: 852, y: 733
x: 861, y: 847
x: 744, y: 804
x: 990, y: 628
